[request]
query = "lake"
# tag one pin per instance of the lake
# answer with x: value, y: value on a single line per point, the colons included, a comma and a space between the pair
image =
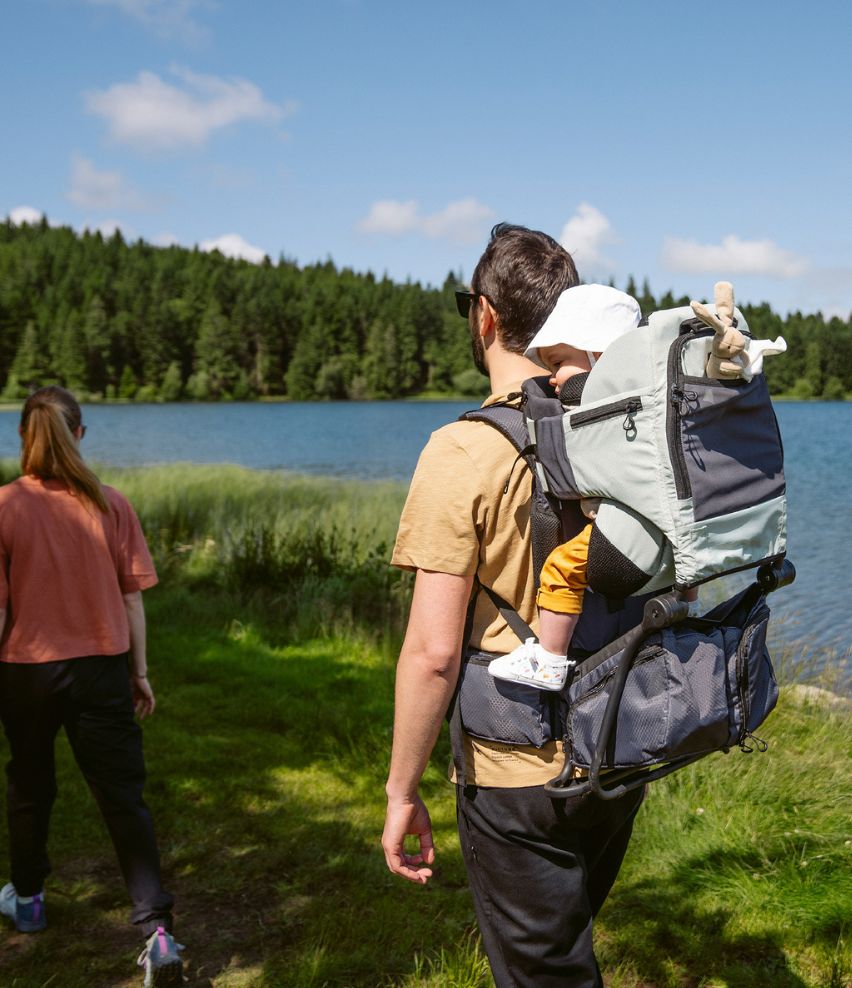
x: 381, y: 440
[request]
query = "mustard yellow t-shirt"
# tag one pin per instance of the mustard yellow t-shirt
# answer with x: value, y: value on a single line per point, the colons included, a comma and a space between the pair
x: 468, y: 512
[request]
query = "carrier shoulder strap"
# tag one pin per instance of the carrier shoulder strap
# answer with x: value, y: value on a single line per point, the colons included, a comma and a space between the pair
x: 548, y: 522
x: 509, y: 421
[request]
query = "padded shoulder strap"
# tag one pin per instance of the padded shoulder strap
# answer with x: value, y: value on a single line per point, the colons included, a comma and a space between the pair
x: 509, y: 421
x: 547, y: 519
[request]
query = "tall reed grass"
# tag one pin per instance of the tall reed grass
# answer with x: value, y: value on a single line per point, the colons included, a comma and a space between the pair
x: 311, y: 553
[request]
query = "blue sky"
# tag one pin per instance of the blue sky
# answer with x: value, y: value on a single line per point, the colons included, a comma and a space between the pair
x: 680, y: 141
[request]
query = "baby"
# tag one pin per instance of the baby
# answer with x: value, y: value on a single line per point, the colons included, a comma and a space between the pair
x: 584, y: 322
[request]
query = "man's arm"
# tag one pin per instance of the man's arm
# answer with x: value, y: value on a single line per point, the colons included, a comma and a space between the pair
x: 425, y: 680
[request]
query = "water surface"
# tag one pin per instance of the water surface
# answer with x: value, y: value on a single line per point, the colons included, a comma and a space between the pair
x: 381, y: 440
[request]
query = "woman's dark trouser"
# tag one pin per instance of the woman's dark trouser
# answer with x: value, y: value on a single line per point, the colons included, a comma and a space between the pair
x: 90, y: 697
x: 539, y: 870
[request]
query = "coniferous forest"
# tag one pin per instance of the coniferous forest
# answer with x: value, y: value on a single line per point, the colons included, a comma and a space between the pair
x: 110, y: 319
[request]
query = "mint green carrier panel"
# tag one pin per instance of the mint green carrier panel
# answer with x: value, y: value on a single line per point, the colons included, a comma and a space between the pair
x: 626, y: 458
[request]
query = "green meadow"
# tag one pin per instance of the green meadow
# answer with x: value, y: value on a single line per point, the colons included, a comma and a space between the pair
x: 272, y: 641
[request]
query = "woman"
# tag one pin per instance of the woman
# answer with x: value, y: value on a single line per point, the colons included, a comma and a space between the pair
x: 73, y: 565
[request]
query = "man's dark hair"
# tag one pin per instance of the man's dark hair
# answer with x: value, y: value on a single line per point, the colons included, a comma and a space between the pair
x: 522, y: 273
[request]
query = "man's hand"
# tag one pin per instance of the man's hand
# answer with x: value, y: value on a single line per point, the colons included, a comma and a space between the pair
x: 408, y: 817
x: 143, y: 696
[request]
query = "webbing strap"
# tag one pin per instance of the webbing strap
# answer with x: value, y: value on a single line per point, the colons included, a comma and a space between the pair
x: 454, y: 712
x: 510, y: 616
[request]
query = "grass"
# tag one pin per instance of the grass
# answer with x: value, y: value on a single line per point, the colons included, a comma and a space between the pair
x: 267, y: 758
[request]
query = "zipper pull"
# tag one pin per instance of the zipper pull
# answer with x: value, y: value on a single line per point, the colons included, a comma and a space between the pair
x: 758, y: 743
x: 681, y: 400
x: 628, y: 424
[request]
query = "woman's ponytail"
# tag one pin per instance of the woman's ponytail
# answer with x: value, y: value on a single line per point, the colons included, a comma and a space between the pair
x: 49, y: 450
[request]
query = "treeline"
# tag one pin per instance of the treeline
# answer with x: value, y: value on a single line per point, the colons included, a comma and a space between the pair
x: 110, y: 319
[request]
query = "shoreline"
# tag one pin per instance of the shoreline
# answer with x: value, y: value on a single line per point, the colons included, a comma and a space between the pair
x: 425, y: 398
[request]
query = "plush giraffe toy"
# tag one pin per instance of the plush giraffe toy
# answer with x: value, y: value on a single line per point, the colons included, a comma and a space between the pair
x: 728, y: 342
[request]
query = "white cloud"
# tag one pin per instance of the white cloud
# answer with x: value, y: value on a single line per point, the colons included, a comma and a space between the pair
x: 97, y: 190
x: 392, y: 217
x: 165, y: 239
x: 460, y: 221
x: 733, y: 256
x: 234, y: 245
x: 585, y: 235
x: 166, y: 18
x: 21, y: 215
x: 151, y: 114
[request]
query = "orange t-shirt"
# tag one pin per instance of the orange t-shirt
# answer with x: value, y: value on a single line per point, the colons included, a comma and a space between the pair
x: 64, y: 566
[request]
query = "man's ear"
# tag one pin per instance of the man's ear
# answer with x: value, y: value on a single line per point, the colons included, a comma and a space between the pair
x: 487, y: 318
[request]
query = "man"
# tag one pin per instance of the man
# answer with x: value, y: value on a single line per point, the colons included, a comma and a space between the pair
x: 539, y: 869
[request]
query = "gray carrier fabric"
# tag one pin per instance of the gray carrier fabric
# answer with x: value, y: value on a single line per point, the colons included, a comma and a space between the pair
x: 703, y: 685
x: 700, y: 686
x: 689, y: 469
x: 514, y: 713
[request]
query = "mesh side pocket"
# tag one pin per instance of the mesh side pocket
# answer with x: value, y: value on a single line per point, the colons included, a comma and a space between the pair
x: 697, y: 687
x: 643, y: 715
x: 675, y: 701
x: 495, y: 710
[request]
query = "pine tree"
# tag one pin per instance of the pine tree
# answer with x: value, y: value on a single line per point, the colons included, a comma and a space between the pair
x: 127, y: 386
x: 31, y: 367
x: 171, y: 387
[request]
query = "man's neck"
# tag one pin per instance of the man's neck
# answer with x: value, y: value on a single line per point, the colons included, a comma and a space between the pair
x: 509, y: 368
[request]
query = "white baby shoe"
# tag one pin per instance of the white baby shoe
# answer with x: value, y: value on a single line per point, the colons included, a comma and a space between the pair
x: 531, y: 664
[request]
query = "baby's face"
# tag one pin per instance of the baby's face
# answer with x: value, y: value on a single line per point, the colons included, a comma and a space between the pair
x: 563, y: 361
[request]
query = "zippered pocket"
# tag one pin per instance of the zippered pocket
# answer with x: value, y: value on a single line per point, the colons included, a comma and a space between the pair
x: 723, y: 439
x: 628, y: 407
x: 677, y: 395
x: 755, y: 683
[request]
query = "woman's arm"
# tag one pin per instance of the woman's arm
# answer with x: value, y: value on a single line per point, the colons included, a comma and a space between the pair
x: 143, y: 695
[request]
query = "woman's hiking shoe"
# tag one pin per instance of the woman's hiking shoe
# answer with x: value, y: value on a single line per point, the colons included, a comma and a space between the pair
x: 161, y: 960
x: 26, y: 913
x: 531, y: 664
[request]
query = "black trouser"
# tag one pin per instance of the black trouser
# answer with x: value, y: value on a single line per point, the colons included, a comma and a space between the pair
x: 540, y: 869
x: 91, y: 698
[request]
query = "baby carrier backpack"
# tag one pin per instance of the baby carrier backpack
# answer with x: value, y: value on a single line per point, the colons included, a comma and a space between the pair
x: 689, y: 472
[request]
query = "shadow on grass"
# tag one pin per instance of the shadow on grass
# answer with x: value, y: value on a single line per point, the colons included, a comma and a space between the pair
x: 656, y: 930
x: 266, y: 772
x: 267, y: 765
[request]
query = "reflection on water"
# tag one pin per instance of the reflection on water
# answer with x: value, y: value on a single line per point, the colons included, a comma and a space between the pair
x: 381, y: 440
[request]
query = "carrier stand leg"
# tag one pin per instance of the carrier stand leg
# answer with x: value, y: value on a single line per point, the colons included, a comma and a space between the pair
x: 660, y: 612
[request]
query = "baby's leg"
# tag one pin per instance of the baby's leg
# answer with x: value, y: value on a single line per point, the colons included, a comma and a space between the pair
x: 544, y: 664
x: 555, y: 630
x: 560, y: 597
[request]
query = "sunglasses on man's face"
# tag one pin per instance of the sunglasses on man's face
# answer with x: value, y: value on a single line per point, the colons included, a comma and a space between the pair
x: 464, y: 300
